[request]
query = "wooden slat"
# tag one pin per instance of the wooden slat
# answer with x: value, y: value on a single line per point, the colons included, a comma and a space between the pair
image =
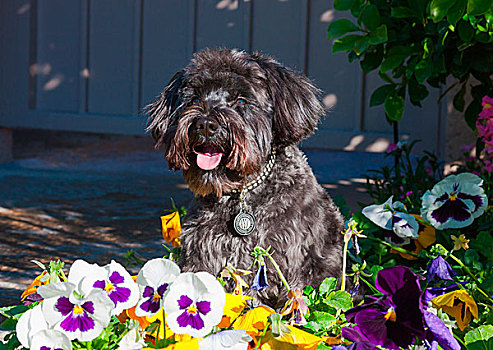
x: 57, y: 67
x: 167, y: 43
x: 340, y: 81
x: 224, y: 23
x: 112, y: 57
x: 279, y: 29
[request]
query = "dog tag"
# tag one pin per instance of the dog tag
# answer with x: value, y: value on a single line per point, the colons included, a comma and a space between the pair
x: 244, y: 223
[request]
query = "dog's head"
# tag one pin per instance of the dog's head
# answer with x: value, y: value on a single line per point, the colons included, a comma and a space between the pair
x: 220, y: 117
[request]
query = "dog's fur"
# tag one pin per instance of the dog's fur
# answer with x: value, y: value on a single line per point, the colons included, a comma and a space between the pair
x: 256, y: 105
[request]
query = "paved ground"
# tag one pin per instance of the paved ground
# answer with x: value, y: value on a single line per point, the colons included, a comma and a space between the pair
x: 99, y: 201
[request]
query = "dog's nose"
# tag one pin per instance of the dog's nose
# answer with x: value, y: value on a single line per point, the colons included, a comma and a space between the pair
x: 206, y: 127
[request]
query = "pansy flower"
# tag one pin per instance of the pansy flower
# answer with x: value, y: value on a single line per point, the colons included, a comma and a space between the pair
x: 113, y: 279
x: 154, y: 280
x: 295, y: 338
x: 77, y: 315
x: 440, y: 269
x: 171, y: 229
x: 194, y: 304
x: 50, y: 339
x: 235, y: 304
x: 31, y: 322
x: 439, y: 333
x: 454, y: 202
x: 233, y: 339
x: 392, y: 216
x: 41, y: 279
x: 458, y: 304
x: 394, y: 319
x: 426, y: 237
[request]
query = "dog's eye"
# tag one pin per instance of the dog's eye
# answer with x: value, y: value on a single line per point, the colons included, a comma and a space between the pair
x: 240, y: 101
x: 196, y: 101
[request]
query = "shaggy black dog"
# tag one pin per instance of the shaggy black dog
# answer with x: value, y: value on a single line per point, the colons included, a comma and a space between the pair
x: 232, y: 121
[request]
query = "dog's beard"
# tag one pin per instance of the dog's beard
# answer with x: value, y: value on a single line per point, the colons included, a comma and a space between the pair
x: 221, y: 163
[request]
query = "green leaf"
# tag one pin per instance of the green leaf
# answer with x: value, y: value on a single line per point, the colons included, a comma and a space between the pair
x: 379, y: 35
x: 483, y: 243
x: 341, y: 27
x: 480, y: 338
x: 423, y: 70
x: 439, y: 9
x: 471, y: 113
x: 361, y: 45
x: 346, y: 43
x: 371, y: 60
x: 478, y: 7
x: 314, y: 326
x: 378, y: 96
x: 465, y: 30
x: 403, y: 12
x: 456, y: 12
x: 328, y: 285
x: 340, y: 300
x: 417, y: 91
x: 370, y: 17
x: 323, y: 318
x: 391, y: 62
x: 343, y: 5
x: 394, y: 107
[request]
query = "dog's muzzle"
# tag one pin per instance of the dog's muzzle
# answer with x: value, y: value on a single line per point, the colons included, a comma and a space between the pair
x: 208, y: 155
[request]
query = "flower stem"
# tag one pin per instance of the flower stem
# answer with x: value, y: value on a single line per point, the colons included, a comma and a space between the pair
x: 465, y: 268
x: 344, y: 258
x: 259, y: 343
x: 164, y: 324
x: 373, y: 289
x: 265, y: 252
x: 399, y: 249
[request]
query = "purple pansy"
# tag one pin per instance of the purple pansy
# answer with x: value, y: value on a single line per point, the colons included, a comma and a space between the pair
x: 194, y: 304
x: 440, y: 269
x: 439, y: 333
x: 154, y: 280
x: 113, y: 279
x: 394, y: 319
x: 260, y: 279
x: 360, y: 342
x: 74, y: 313
x: 454, y: 202
x: 434, y: 292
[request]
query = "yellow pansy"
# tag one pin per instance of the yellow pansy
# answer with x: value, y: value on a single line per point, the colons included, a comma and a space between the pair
x: 171, y: 228
x: 235, y: 304
x: 190, y: 344
x: 296, y: 339
x: 426, y: 237
x: 254, y: 321
x: 458, y: 304
x: 33, y: 287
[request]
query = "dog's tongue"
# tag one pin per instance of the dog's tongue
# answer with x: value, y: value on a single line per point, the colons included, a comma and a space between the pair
x: 209, y: 160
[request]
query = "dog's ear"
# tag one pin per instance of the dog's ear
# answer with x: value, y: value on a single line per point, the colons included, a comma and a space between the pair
x: 296, y: 106
x: 162, y: 112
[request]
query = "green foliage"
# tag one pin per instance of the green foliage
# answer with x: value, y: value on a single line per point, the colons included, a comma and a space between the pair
x: 326, y: 305
x: 480, y: 338
x: 415, y: 44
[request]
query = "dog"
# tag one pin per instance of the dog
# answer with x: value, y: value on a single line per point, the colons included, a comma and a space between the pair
x: 232, y: 122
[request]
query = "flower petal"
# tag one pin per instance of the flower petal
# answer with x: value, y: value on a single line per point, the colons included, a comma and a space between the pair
x: 30, y: 323
x: 440, y: 332
x: 51, y: 339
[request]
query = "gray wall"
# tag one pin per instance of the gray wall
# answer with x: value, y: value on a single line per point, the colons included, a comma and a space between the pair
x: 91, y: 65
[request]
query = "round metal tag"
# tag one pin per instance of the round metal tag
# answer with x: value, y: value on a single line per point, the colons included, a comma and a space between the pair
x: 244, y: 223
